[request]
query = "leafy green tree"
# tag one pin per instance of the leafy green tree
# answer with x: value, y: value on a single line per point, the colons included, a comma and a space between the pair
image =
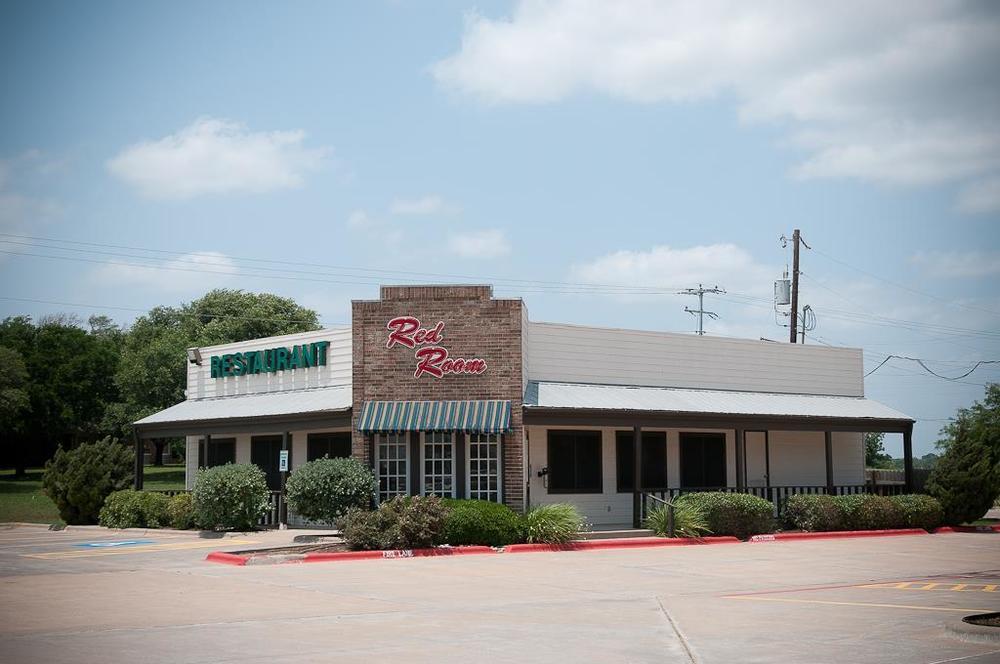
x: 875, y: 454
x: 153, y: 370
x: 14, y: 401
x: 966, y: 479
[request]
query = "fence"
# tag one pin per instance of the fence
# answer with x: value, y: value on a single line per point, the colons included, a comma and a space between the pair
x: 776, y: 495
x: 271, y: 518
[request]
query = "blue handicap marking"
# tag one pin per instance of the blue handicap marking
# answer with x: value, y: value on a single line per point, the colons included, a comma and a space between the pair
x: 108, y: 545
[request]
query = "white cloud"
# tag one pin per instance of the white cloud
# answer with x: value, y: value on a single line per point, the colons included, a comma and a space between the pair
x: 490, y: 243
x: 895, y: 93
x: 958, y: 264
x: 198, y: 271
x: 213, y: 156
x: 360, y: 219
x: 982, y: 197
x: 423, y: 206
x: 725, y: 265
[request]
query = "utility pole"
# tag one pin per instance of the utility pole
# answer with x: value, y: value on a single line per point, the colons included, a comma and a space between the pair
x: 794, y: 327
x: 700, y: 311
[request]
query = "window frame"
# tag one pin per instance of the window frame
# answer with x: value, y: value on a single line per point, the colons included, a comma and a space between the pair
x: 315, y: 436
x: 402, y: 440
x: 646, y: 438
x: 488, y: 440
x: 590, y: 435
x: 428, y: 438
x: 214, y: 443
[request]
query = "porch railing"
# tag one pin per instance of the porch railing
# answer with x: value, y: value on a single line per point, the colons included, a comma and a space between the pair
x: 776, y: 495
x: 271, y: 518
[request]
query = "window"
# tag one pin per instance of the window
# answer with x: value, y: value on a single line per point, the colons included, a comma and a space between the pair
x: 333, y: 445
x: 654, y: 460
x: 439, y: 464
x: 392, y: 454
x: 220, y: 452
x: 575, y: 462
x: 484, y: 466
x: 703, y: 460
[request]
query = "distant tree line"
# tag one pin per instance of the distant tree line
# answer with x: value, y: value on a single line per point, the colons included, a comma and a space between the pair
x: 63, y: 382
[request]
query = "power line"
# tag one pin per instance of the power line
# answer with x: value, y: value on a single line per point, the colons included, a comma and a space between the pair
x: 928, y: 369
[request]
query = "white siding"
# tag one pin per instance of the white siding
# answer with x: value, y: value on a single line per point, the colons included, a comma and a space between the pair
x: 799, y: 458
x: 337, y: 371
x: 575, y: 354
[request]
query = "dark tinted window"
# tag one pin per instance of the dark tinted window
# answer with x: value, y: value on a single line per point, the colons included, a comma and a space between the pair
x: 574, y: 462
x: 220, y: 452
x: 333, y: 445
x: 703, y: 459
x: 654, y: 460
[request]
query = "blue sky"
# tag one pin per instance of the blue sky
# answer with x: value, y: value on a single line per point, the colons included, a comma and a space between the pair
x: 551, y: 148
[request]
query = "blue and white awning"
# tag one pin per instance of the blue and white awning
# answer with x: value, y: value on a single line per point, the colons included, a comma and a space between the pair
x: 468, y: 416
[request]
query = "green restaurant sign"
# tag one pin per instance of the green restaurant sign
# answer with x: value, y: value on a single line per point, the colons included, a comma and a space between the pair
x: 270, y: 360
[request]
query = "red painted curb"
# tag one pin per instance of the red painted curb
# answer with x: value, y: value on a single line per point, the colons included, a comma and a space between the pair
x: 623, y: 543
x: 836, y: 534
x: 393, y: 554
x: 969, y: 529
x: 226, y: 558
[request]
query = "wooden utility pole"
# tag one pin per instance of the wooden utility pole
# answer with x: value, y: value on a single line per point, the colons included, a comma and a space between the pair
x: 793, y: 329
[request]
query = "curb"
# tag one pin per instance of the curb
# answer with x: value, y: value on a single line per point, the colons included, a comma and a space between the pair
x: 334, y: 556
x: 624, y: 543
x: 968, y: 529
x: 227, y: 558
x: 975, y: 633
x: 837, y: 534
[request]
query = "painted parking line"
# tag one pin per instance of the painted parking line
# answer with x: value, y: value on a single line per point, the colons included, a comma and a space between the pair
x: 108, y: 544
x: 936, y: 586
x: 912, y: 607
x: 118, y: 551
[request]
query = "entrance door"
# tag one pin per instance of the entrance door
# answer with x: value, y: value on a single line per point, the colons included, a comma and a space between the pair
x: 703, y: 460
x: 264, y: 453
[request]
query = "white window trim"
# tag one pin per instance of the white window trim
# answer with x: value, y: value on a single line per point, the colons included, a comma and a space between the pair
x: 378, y: 458
x: 468, y: 467
x: 423, y: 464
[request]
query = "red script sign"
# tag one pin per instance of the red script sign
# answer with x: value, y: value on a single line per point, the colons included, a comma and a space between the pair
x: 432, y: 359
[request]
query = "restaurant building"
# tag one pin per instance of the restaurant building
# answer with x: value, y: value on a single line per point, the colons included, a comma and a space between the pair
x: 446, y: 390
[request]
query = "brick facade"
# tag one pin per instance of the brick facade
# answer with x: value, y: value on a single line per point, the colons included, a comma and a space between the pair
x: 476, y: 326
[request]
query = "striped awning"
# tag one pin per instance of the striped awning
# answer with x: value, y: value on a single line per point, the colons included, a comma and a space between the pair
x: 468, y: 416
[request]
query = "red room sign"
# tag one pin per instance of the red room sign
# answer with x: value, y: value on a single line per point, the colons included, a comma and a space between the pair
x: 432, y: 359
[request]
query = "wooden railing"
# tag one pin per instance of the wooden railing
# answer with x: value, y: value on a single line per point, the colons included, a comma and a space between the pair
x: 271, y: 518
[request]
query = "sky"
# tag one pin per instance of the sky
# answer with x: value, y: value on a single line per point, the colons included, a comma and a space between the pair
x: 593, y: 158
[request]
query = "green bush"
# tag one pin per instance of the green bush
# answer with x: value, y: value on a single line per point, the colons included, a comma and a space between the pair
x: 481, y: 522
x: 180, y: 511
x: 79, y: 480
x: 918, y: 511
x: 966, y: 479
x: 739, y: 514
x: 134, y: 509
x: 868, y: 512
x: 689, y: 520
x: 813, y: 512
x: 404, y: 522
x: 234, y: 496
x: 552, y: 524
x: 324, y: 489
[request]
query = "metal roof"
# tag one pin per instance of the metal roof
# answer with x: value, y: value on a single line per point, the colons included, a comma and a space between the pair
x: 672, y: 400
x: 469, y: 416
x: 293, y: 402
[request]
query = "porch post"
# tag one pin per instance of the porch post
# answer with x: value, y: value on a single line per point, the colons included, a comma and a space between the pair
x: 283, y: 511
x: 637, y: 483
x: 738, y: 445
x: 828, y: 440
x: 139, y: 460
x: 908, y: 458
x: 415, y: 464
x: 203, y: 446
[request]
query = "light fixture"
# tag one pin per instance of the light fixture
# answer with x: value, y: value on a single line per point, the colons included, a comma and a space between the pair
x: 194, y: 356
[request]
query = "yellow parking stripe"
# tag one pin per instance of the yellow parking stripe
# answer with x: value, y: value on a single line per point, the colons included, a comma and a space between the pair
x: 150, y: 548
x: 758, y: 598
x: 947, y: 587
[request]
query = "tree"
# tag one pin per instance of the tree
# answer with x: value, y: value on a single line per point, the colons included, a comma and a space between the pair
x: 875, y: 455
x: 14, y: 401
x: 153, y: 370
x: 966, y: 478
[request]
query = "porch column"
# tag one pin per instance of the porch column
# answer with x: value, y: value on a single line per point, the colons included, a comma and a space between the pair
x: 740, y: 446
x: 286, y: 446
x: 828, y: 440
x: 139, y: 460
x: 414, y: 467
x: 203, y: 447
x: 637, y: 470
x: 908, y: 458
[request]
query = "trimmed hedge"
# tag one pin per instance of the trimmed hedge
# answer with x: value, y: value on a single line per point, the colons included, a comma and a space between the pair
x: 862, y: 512
x: 135, y: 509
x: 738, y: 514
x: 180, y: 511
x: 234, y: 496
x: 323, y: 490
x: 481, y: 522
x: 405, y: 522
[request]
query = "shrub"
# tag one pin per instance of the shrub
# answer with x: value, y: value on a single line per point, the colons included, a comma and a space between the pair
x: 552, y: 524
x: 481, y: 522
x: 689, y: 520
x: 738, y: 514
x: 324, y: 489
x: 966, y: 479
x: 231, y: 496
x: 868, y: 512
x: 180, y: 511
x: 918, y: 511
x: 79, y: 480
x: 814, y: 512
x: 134, y: 509
x: 404, y: 522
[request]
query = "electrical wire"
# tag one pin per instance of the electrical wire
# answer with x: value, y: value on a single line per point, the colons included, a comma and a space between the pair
x: 928, y: 369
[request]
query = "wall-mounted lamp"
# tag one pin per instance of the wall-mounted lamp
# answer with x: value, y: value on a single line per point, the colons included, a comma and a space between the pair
x: 194, y: 356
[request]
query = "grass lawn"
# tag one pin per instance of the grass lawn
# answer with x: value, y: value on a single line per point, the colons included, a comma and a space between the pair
x: 23, y: 500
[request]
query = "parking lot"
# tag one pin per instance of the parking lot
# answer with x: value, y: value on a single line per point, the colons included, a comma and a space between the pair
x: 95, y: 596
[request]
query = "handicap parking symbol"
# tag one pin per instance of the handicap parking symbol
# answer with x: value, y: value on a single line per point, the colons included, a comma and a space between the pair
x: 112, y: 544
